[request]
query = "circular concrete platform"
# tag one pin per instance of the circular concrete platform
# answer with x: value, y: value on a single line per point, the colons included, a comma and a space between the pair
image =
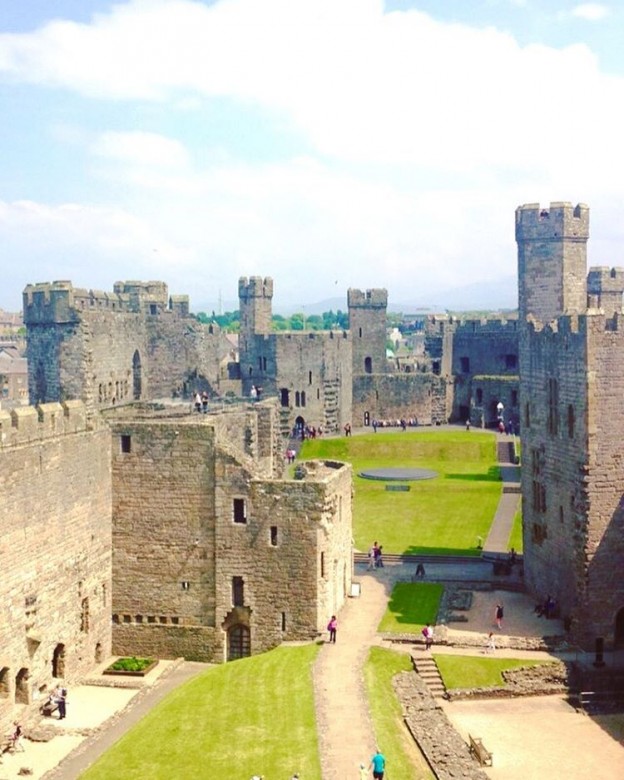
x: 398, y: 475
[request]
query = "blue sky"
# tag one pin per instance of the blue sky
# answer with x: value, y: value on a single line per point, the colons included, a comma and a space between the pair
x: 327, y: 143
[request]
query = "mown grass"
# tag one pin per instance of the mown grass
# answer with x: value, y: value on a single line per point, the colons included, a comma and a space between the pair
x: 463, y: 671
x: 253, y: 716
x: 444, y: 515
x: 412, y: 605
x: 515, y: 538
x: 405, y: 761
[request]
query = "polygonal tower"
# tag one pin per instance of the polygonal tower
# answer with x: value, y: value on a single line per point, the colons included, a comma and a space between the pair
x: 367, y: 323
x: 552, y: 259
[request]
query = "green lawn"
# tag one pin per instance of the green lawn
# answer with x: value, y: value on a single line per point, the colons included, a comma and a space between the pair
x: 404, y: 759
x: 463, y: 671
x: 253, y: 716
x: 412, y: 605
x: 443, y: 515
x: 515, y: 539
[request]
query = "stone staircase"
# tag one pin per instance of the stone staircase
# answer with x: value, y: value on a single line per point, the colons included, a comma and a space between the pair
x: 427, y: 669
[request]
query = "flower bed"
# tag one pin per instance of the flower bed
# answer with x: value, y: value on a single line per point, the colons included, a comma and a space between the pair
x: 131, y: 667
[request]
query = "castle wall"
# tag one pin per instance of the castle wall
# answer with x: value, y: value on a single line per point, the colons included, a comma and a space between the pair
x: 396, y: 396
x: 184, y: 355
x: 55, y: 555
x: 163, y: 537
x: 554, y: 463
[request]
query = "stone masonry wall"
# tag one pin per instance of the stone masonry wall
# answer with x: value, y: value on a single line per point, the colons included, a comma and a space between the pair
x: 55, y: 553
x: 554, y: 463
x: 396, y: 396
x: 163, y: 535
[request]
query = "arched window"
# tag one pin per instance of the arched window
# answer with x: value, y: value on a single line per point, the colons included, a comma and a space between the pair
x: 368, y: 365
x: 136, y: 376
x: 22, y: 693
x: 4, y: 682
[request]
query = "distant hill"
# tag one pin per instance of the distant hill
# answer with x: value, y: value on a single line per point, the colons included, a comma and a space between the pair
x: 494, y: 295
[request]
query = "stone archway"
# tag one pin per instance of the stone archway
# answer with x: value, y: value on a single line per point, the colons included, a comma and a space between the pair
x: 58, y: 661
x: 618, y: 634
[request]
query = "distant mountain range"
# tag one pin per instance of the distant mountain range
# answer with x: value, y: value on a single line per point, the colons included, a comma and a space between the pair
x: 495, y: 295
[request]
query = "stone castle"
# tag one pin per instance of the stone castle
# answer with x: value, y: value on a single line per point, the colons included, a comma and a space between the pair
x: 136, y: 526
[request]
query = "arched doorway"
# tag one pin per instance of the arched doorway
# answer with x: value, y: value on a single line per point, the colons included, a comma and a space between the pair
x: 136, y: 376
x: 58, y: 661
x: 239, y: 642
x: 618, y: 637
x: 99, y: 653
x: 299, y: 425
x: 22, y: 693
x: 4, y: 682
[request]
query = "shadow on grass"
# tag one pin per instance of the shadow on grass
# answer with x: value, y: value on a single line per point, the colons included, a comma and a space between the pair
x: 493, y: 475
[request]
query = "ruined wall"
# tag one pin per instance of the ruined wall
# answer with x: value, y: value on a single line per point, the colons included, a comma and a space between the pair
x: 163, y: 536
x: 55, y: 550
x: 424, y: 397
x: 184, y: 355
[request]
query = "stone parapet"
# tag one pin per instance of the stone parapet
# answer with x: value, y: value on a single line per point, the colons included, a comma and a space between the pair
x: 31, y: 423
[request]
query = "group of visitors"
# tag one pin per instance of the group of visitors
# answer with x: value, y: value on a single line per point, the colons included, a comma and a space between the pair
x: 402, y: 422
x: 201, y: 402
x: 375, y: 557
x: 304, y: 432
x: 547, y: 608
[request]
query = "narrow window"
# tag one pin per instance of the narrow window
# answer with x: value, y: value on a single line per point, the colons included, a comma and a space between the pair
x: 284, y: 399
x: 368, y: 365
x: 186, y: 585
x: 238, y: 592
x: 274, y: 536
x: 297, y: 398
x: 240, y: 511
x: 479, y: 396
x: 514, y: 398
x: 570, y: 421
x: 283, y: 621
x: 126, y: 443
x: 303, y: 398
x: 264, y: 363
x: 309, y: 377
x: 322, y: 564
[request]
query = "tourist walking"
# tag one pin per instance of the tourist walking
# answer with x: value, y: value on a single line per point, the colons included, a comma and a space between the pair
x: 491, y: 644
x: 372, y: 556
x: 499, y: 613
x: 61, y: 700
x: 332, y: 627
x: 16, y: 737
x: 378, y: 765
x: 378, y: 557
x: 427, y: 633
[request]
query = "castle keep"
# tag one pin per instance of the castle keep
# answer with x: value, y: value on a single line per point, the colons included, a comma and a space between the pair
x: 571, y: 383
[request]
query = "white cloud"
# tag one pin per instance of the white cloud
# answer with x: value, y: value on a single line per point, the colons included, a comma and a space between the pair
x: 141, y: 148
x: 592, y: 12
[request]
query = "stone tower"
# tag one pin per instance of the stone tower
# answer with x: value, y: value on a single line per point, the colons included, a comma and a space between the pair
x: 552, y: 259
x: 255, y: 297
x: 367, y: 323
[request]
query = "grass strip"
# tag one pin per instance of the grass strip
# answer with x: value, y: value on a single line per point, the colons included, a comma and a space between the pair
x: 405, y: 762
x: 411, y: 606
x: 246, y: 717
x: 463, y: 671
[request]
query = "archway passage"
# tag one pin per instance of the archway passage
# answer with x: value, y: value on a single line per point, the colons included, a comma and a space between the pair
x: 239, y: 642
x: 619, y: 629
x: 136, y: 376
x: 58, y: 661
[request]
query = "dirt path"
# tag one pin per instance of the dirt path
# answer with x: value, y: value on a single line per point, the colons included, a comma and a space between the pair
x: 346, y: 735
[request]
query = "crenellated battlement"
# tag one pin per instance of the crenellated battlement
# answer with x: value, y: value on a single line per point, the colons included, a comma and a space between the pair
x: 604, y: 279
x: 561, y: 220
x: 487, y: 326
x: 370, y: 299
x: 255, y: 287
x: 27, y: 424
x: 61, y: 302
